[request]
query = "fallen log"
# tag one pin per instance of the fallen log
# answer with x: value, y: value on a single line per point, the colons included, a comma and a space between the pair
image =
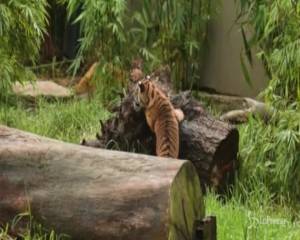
x: 223, y: 103
x: 95, y: 193
x: 254, y: 108
x: 211, y: 144
x: 237, y: 110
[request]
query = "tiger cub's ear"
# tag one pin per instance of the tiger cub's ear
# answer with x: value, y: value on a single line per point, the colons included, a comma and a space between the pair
x: 141, y: 86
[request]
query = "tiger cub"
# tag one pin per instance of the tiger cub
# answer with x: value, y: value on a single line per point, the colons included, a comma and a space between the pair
x: 85, y: 85
x: 161, y: 117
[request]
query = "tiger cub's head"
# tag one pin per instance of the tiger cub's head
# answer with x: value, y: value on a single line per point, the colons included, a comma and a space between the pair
x: 143, y: 93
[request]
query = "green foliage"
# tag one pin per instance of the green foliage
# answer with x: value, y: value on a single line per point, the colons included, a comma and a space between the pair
x: 276, y: 31
x: 164, y: 31
x: 102, y: 29
x: 270, y: 157
x: 270, y: 153
x: 173, y: 32
x: 104, y: 39
x: 22, y: 24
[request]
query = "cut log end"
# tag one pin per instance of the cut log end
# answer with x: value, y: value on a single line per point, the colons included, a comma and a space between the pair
x: 212, y: 146
x: 224, y: 162
x: 186, y: 205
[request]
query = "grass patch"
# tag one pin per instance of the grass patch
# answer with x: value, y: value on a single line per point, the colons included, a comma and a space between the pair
x: 67, y: 121
x: 237, y: 221
x: 31, y: 230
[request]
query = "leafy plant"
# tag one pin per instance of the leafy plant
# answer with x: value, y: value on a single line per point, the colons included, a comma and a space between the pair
x: 102, y: 28
x: 104, y: 39
x: 270, y: 159
x: 22, y: 25
x: 276, y: 32
x: 271, y: 153
x: 164, y: 31
x: 174, y: 32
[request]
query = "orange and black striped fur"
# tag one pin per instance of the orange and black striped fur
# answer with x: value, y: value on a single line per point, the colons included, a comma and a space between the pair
x: 161, y: 117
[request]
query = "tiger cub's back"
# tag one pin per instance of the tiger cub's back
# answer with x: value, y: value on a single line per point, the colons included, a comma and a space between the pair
x: 161, y: 118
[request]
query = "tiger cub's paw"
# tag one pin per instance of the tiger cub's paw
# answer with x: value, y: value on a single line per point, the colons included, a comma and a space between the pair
x: 179, y: 114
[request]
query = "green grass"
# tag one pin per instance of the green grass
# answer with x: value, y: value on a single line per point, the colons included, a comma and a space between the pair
x: 68, y: 121
x: 261, y: 221
x: 31, y: 230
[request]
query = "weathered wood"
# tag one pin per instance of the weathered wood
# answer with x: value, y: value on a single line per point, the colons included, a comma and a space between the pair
x: 97, y: 194
x: 211, y: 144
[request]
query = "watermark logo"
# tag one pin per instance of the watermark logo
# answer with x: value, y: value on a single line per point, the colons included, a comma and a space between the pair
x: 272, y: 221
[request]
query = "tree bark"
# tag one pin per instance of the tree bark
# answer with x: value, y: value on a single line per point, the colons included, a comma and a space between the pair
x: 95, y: 193
x: 211, y: 144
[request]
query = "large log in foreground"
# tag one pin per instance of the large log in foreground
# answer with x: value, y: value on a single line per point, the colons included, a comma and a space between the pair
x: 97, y: 194
x: 211, y: 144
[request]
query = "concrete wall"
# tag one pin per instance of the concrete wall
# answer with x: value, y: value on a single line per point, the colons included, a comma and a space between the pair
x: 222, y: 70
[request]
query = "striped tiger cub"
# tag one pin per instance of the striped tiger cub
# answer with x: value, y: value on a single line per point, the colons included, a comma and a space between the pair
x: 161, y: 117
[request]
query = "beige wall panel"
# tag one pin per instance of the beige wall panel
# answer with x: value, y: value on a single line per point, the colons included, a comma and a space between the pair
x: 222, y: 70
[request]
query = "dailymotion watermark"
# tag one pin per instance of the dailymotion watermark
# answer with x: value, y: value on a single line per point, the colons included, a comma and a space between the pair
x: 272, y: 221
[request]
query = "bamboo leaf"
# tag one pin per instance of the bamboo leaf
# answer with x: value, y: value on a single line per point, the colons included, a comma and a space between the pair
x: 245, y: 71
x: 247, y: 47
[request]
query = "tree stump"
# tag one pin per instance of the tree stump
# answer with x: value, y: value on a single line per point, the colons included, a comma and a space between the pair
x: 95, y: 193
x: 211, y: 144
